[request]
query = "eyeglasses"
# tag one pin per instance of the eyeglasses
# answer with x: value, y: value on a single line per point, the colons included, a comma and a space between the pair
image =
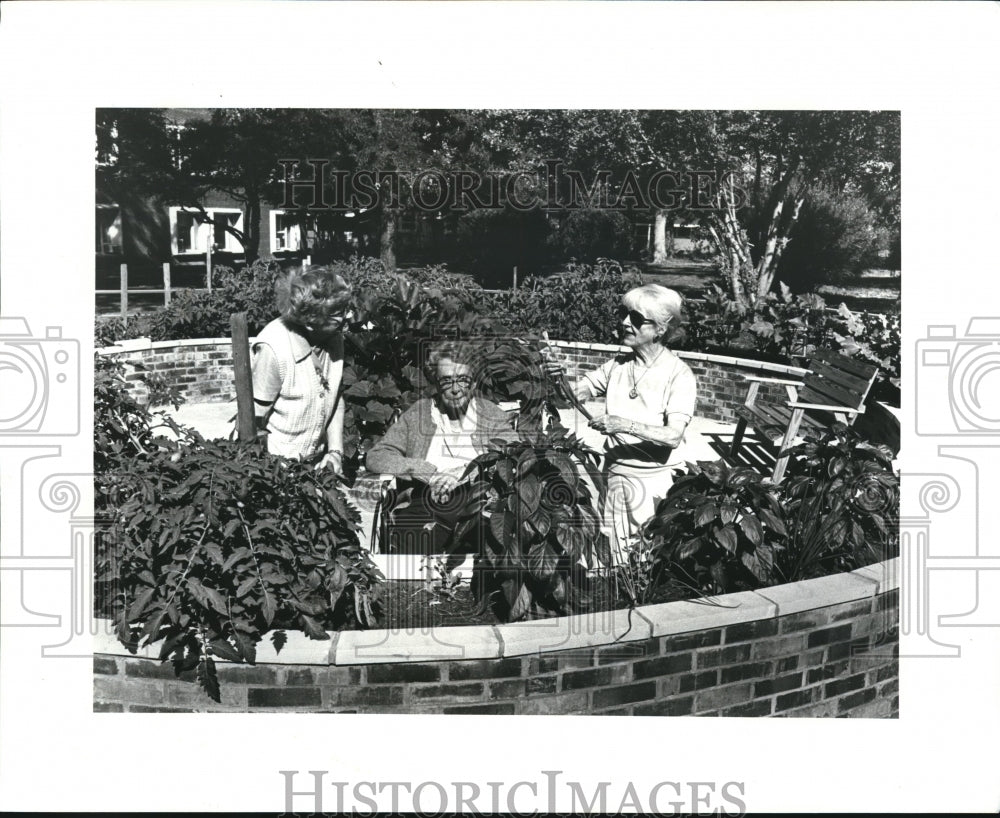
x: 636, y: 318
x: 462, y: 380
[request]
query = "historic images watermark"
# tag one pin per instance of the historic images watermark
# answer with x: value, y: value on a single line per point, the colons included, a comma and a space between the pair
x: 550, y: 187
x: 310, y: 792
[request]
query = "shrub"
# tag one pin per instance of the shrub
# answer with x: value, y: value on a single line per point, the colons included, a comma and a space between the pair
x: 588, y: 235
x: 719, y: 529
x: 211, y: 544
x: 578, y: 304
x: 842, y: 505
x: 490, y: 243
x: 836, y: 235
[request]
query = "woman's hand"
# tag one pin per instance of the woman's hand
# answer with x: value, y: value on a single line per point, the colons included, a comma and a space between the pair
x: 553, y: 368
x: 442, y: 484
x: 612, y: 424
x: 332, y: 460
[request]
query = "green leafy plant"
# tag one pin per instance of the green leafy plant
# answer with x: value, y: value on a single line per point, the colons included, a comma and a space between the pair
x: 842, y: 505
x: 210, y: 545
x: 543, y: 530
x: 719, y: 529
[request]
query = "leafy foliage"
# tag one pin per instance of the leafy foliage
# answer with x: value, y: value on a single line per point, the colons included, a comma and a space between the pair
x: 719, y: 528
x: 578, y: 304
x: 543, y: 530
x: 842, y: 502
x: 837, y: 234
x: 591, y: 234
x: 211, y: 544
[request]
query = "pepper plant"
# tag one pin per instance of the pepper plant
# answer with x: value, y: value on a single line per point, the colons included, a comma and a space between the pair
x: 543, y: 530
x: 719, y: 529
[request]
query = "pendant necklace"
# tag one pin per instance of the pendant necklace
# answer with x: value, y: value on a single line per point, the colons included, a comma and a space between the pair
x: 318, y: 352
x: 633, y: 392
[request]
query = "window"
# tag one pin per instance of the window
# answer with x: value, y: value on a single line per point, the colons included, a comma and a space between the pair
x: 193, y: 232
x: 286, y: 234
x: 108, y: 222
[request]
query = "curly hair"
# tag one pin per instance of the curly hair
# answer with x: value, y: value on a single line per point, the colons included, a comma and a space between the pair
x: 459, y: 352
x: 310, y: 297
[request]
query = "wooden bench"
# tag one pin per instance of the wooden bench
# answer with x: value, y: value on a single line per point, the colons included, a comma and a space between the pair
x: 834, y: 386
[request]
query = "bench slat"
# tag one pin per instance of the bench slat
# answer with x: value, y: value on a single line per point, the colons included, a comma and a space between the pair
x: 819, y: 391
x: 852, y: 365
x: 851, y: 383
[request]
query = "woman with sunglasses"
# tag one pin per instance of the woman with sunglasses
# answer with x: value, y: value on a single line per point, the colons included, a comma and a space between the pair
x: 428, y: 448
x: 650, y: 397
x: 298, y: 361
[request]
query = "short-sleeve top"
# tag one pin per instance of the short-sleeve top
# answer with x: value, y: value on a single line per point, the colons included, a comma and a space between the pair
x: 666, y: 387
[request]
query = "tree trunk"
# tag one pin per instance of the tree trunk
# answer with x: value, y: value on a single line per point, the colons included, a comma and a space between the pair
x: 251, y: 229
x: 387, y: 236
x: 662, y: 238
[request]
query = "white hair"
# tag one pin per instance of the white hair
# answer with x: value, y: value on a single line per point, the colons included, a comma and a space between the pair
x: 660, y: 304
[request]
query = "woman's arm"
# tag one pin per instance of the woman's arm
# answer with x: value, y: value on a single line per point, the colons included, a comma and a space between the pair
x: 389, y: 455
x: 266, y: 383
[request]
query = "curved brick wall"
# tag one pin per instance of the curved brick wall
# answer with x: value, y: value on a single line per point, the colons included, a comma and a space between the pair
x: 203, y: 370
x: 824, y: 647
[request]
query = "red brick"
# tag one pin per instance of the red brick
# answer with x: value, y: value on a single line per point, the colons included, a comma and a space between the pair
x: 100, y: 707
x: 667, y: 707
x: 691, y: 641
x: 723, y: 656
x: 626, y: 652
x: 405, y: 672
x: 498, y: 709
x: 141, y: 708
x: 448, y: 691
x: 781, y: 646
x: 797, y: 698
x: 482, y: 669
x: 699, y: 681
x: 182, y: 694
x: 284, y: 697
x: 116, y: 689
x: 861, y: 697
x: 594, y: 677
x: 151, y: 669
x: 751, y: 630
x: 625, y: 694
x: 575, y: 702
x: 852, y: 611
x: 768, y: 687
x: 807, y: 620
x: 105, y: 665
x: 786, y: 664
x: 751, y: 670
x: 662, y: 666
x: 889, y: 688
x: 541, y: 685
x: 512, y: 689
x: 827, y: 671
x: 760, y: 708
x: 363, y: 696
x: 830, y: 636
x: 722, y: 697
x: 248, y: 674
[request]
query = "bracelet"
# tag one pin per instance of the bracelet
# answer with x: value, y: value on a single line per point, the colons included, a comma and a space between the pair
x: 633, y: 428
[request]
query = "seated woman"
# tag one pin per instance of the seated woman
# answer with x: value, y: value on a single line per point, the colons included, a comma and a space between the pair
x: 650, y: 397
x: 428, y: 448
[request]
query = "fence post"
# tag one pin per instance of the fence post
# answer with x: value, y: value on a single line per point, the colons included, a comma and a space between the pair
x: 245, y: 423
x: 166, y: 284
x: 306, y: 263
x: 124, y: 290
x: 515, y: 278
x: 208, y: 267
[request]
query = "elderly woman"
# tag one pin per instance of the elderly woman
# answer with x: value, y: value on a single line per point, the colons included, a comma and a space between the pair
x: 298, y: 360
x: 429, y: 446
x: 650, y: 397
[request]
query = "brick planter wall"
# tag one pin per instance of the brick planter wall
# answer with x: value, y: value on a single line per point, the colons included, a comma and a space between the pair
x: 824, y: 647
x: 202, y: 369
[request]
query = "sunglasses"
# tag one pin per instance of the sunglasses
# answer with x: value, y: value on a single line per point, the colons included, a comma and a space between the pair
x: 462, y: 380
x: 636, y: 318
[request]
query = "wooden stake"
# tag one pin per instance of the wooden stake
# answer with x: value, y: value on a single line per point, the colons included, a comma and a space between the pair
x: 208, y: 268
x: 245, y: 423
x: 124, y: 290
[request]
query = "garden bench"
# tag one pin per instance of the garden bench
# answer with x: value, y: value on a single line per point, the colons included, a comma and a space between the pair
x: 833, y: 386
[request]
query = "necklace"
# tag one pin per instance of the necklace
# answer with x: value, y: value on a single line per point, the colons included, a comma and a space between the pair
x: 633, y: 392
x: 319, y: 364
